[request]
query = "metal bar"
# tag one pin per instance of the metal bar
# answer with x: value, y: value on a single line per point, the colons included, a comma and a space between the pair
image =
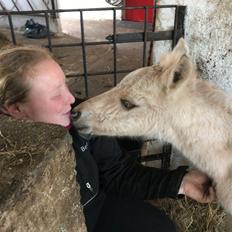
x: 123, y: 38
x: 140, y: 36
x: 5, y: 12
x: 151, y: 157
x: 98, y: 73
x: 175, y: 28
x: 30, y: 5
x: 115, y: 48
x: 164, y: 156
x: 48, y: 32
x: 178, y: 24
x: 46, y: 5
x: 15, y: 5
x: 165, y: 159
x: 53, y: 8
x: 80, y: 44
x: 11, y: 29
x: 145, y: 37
x: 87, y: 9
x: 84, y: 54
x: 150, y: 56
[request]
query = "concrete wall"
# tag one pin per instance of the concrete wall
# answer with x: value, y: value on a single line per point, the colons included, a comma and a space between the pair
x: 94, y: 15
x: 208, y: 32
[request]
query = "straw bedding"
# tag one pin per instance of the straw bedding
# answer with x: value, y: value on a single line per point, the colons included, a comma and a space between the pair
x: 191, y: 216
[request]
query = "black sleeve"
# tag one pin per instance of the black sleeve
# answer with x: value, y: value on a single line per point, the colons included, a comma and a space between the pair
x: 123, y: 176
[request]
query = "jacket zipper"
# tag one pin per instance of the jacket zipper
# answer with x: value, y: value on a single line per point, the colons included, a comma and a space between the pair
x: 91, y: 189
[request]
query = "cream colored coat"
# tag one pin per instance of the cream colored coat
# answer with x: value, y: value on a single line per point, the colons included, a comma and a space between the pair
x: 168, y: 101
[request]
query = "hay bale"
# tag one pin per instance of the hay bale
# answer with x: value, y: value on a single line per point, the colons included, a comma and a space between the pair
x: 37, y: 178
x: 191, y: 216
x: 3, y: 40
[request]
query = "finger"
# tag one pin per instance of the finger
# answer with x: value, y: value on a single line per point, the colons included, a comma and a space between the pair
x: 197, y: 194
x: 207, y: 186
x: 211, y: 195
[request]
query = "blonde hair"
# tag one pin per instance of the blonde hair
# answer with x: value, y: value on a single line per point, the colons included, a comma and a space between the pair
x: 15, y: 65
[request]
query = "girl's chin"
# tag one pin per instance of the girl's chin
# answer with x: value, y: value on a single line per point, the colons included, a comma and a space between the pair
x: 67, y: 122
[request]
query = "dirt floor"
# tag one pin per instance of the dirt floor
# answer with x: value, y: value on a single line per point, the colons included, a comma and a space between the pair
x: 99, y: 57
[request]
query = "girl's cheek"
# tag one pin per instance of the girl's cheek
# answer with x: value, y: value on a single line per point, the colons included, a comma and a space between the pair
x: 55, y: 106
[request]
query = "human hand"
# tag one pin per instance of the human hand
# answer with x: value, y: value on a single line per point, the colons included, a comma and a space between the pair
x: 198, y: 186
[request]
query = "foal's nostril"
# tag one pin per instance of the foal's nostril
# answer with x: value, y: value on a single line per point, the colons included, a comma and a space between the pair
x: 75, y: 114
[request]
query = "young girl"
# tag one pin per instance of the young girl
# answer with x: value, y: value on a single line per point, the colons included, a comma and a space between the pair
x: 113, y: 186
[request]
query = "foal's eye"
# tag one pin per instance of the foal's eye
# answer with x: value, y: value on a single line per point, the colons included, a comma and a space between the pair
x: 177, y: 77
x: 127, y: 104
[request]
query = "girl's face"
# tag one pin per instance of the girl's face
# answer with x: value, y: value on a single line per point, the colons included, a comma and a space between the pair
x: 49, y: 99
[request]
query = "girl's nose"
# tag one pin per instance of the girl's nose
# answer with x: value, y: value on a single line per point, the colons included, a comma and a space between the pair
x: 72, y: 98
x: 69, y: 98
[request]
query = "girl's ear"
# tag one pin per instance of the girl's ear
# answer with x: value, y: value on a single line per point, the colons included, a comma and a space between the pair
x: 15, y: 111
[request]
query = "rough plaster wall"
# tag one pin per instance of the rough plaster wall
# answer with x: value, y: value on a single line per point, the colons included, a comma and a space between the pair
x: 208, y: 33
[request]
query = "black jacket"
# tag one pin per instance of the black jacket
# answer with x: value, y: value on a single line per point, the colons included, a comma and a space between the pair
x: 103, y: 168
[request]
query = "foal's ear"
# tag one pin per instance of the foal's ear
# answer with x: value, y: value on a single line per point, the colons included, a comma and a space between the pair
x: 181, y: 48
x: 178, y: 66
x: 181, y: 72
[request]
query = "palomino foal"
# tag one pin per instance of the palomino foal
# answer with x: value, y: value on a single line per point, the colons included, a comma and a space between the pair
x: 168, y: 101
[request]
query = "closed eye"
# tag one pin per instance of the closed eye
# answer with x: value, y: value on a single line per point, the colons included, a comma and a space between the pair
x: 127, y: 104
x: 56, y: 97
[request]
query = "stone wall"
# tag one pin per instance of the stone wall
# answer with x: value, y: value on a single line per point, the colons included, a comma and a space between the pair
x: 208, y: 32
x: 37, y: 179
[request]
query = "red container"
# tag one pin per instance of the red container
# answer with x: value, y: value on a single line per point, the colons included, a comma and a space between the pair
x: 138, y: 15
